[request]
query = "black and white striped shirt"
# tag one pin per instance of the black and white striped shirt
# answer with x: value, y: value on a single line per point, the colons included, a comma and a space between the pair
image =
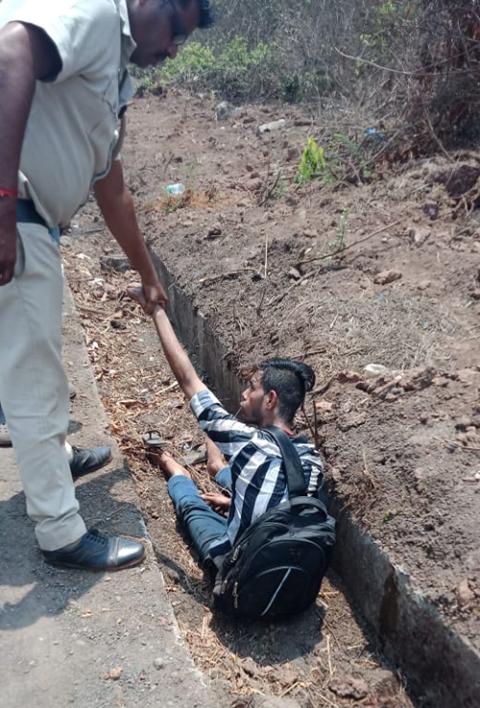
x: 259, y: 482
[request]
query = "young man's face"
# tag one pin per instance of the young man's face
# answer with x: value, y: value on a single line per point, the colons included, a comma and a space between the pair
x: 160, y: 27
x: 253, y: 401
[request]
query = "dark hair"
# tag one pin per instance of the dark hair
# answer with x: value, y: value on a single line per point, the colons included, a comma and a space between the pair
x: 206, y: 15
x: 290, y: 380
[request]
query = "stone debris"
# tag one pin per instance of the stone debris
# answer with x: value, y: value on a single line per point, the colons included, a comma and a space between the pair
x: 225, y: 110
x: 417, y: 236
x: 294, y: 273
x: 271, y: 127
x: 114, y: 674
x: 387, y: 276
x: 431, y: 210
x: 213, y: 232
x: 377, y: 370
x: 349, y: 687
x: 391, y: 387
x: 464, y: 593
x: 121, y: 264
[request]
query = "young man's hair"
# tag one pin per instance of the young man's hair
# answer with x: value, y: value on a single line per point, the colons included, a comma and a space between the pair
x: 206, y: 15
x: 291, y: 380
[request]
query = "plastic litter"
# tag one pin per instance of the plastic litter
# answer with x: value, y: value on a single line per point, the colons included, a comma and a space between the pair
x: 175, y: 190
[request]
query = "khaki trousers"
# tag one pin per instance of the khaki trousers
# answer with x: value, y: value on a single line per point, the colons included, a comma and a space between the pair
x: 34, y: 388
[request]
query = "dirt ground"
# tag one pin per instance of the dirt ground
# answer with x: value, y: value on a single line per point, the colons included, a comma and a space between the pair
x: 257, y: 254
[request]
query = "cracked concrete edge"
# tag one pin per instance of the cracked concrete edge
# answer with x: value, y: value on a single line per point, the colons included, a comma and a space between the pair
x: 441, y: 667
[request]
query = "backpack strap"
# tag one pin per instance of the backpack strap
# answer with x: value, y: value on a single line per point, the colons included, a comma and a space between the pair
x: 291, y: 460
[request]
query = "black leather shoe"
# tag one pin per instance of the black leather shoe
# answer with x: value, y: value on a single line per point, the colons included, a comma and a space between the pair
x: 95, y: 551
x: 89, y: 460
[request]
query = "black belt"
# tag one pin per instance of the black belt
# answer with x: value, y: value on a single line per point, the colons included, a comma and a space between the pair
x: 27, y: 214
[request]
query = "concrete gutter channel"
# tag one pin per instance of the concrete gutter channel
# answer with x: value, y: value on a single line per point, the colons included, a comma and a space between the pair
x: 441, y: 667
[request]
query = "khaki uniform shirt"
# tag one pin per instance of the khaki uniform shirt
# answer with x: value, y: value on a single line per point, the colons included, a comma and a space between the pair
x: 72, y: 129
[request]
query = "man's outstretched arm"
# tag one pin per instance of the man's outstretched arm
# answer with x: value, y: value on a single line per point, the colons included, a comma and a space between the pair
x: 116, y: 205
x: 177, y: 357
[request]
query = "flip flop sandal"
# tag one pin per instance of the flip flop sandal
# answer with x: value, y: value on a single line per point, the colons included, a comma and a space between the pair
x: 196, y: 456
x: 153, y: 441
x: 154, y: 445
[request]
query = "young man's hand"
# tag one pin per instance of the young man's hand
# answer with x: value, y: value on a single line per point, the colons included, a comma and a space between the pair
x: 153, y: 296
x: 218, y: 502
x: 148, y: 297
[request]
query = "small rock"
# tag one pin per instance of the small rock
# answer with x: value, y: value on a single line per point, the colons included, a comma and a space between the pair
x: 419, y: 236
x: 431, y: 210
x: 349, y: 687
x: 468, y: 439
x: 387, y: 276
x: 225, y: 110
x: 377, y: 370
x: 292, y: 200
x: 119, y: 263
x: 423, y: 419
x: 310, y: 233
x: 464, y: 594
x: 352, y: 420
x: 254, y: 184
x: 214, y: 231
x: 250, y: 667
x: 159, y: 663
x: 270, y: 127
x: 424, y: 285
x: 391, y: 397
x: 324, y: 406
x: 467, y: 376
x: 294, y: 274
x: 114, y: 674
x: 117, y: 324
x: 475, y: 294
x: 463, y: 423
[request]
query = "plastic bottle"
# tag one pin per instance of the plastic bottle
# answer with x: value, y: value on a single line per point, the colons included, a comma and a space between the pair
x: 175, y: 190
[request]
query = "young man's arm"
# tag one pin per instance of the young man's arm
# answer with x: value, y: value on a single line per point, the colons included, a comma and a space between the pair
x: 225, y: 430
x: 177, y: 357
x: 116, y: 205
x: 26, y: 54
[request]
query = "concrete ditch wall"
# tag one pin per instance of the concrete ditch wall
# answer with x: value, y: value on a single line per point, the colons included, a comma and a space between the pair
x: 442, y: 669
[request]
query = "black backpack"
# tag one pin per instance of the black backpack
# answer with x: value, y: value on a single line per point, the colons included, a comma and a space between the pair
x: 277, y: 565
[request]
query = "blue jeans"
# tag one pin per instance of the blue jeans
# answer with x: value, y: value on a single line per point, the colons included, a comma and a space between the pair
x: 203, y: 524
x: 2, y: 416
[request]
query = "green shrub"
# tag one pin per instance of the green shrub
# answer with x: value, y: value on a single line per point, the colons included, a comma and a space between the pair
x: 313, y: 164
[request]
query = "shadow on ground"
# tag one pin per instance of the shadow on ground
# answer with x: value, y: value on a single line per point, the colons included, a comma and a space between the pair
x: 30, y: 588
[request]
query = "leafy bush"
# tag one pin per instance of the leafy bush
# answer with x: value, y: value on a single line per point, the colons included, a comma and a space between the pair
x: 313, y: 164
x: 234, y: 69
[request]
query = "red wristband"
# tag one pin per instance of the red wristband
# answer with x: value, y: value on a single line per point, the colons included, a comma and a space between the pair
x: 5, y: 192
